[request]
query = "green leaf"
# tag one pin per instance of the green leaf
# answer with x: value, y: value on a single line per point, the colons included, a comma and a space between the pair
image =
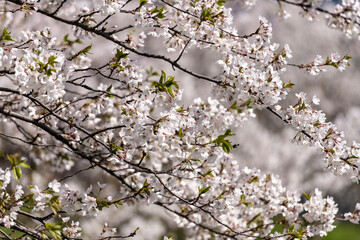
x: 242, y: 198
x: 221, y: 2
x: 102, y: 204
x: 253, y: 179
x: 204, y: 190
x: 145, y: 188
x: 51, y: 60
x: 278, y: 219
x: 142, y: 3
x: 24, y: 164
x: 247, y: 103
x: 205, y: 13
x: 170, y: 237
x: 49, y: 72
x: 162, y: 77
x: 316, y: 124
x: 347, y: 57
x: 180, y: 133
x: 120, y: 54
x: 115, y: 147
x: 17, y: 173
x: 151, y: 72
x: 170, y: 91
x: 228, y: 133
x: 158, y: 13
x: 145, y: 183
x: 291, y: 228
x: 165, y: 84
x: 221, y: 195
x: 6, y: 36
x: 147, y: 192
x: 225, y: 144
x: 181, y: 109
x: 209, y: 173
x: 54, y: 204
x: 85, y: 50
x: 71, y: 42
x: 242, y: 201
x: 234, y: 106
x: 11, y: 159
x: 279, y: 228
x: 288, y: 85
x: 54, y: 230
x: 117, y: 203
x: 334, y: 64
x: 307, y: 196
x: 109, y: 89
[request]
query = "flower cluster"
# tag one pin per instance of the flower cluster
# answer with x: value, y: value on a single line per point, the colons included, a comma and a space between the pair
x: 11, y: 203
x: 346, y: 18
x: 320, y: 211
x: 107, y: 7
x: 73, y: 231
x: 315, y: 131
x: 260, y: 200
x: 315, y: 67
x: 39, y: 71
x: 354, y: 217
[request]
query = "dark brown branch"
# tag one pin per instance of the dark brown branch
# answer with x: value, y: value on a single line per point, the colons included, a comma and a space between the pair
x: 59, y: 7
x: 108, y: 36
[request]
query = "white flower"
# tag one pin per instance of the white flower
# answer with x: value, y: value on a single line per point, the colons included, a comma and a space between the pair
x: 55, y: 185
x: 357, y: 207
x: 101, y: 185
x: 315, y: 100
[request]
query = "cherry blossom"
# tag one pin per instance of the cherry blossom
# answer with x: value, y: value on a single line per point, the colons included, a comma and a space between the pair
x: 90, y: 102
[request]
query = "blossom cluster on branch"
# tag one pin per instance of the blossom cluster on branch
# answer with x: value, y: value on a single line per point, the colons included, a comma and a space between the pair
x: 62, y: 112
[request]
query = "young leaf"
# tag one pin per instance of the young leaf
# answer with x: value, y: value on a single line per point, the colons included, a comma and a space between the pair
x: 288, y: 85
x: 221, y: 2
x: 347, y: 57
x: 54, y: 230
x: 204, y: 190
x: 51, y: 60
x: 142, y: 3
x: 85, y: 50
x: 209, y: 173
x: 253, y: 179
x: 54, y: 204
x: 24, y: 164
x: 11, y: 159
x: 6, y: 36
x: 17, y: 173
x: 221, y: 195
x: 165, y: 84
x: 71, y: 42
x: 307, y: 196
x: 225, y: 144
x: 120, y: 54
